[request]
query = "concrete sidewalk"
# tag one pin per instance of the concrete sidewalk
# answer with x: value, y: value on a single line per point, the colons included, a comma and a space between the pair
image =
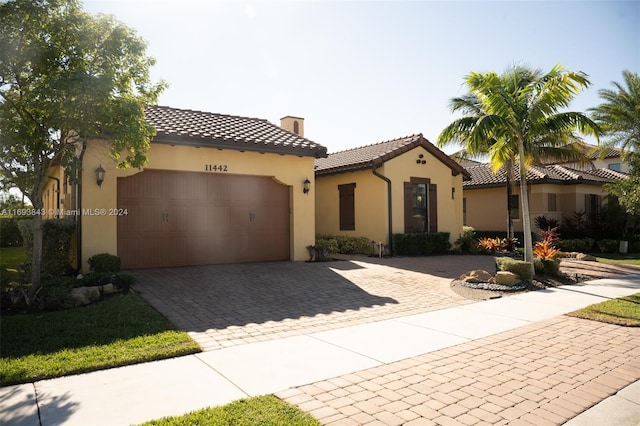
x: 290, y: 367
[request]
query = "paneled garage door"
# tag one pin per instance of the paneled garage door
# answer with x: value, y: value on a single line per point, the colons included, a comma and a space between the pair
x: 186, y: 218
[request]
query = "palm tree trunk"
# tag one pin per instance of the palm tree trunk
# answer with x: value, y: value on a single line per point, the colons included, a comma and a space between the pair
x: 526, y: 219
x: 510, y: 233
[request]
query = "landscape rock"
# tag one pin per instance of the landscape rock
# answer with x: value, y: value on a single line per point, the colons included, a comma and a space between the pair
x: 587, y: 257
x: 108, y: 288
x: 477, y: 276
x: 85, y: 295
x: 507, y: 278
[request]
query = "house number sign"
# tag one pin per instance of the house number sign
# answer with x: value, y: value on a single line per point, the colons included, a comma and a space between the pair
x: 215, y: 168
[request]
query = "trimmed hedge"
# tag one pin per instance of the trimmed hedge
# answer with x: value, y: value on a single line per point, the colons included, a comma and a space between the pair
x: 518, y: 267
x: 344, y: 244
x: 582, y: 245
x: 549, y: 267
x: 608, y: 246
x: 104, y: 263
x: 421, y: 244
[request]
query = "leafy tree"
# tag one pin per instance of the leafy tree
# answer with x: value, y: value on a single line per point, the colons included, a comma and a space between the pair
x: 517, y: 117
x: 619, y: 117
x: 65, y: 77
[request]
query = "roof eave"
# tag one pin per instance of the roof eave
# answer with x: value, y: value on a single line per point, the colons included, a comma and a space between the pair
x: 319, y: 152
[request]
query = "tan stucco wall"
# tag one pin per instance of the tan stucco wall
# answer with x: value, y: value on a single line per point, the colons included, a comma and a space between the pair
x: 99, y: 232
x: 370, y: 205
x: 487, y: 207
x: 403, y: 167
x: 371, y: 197
x: 53, y: 189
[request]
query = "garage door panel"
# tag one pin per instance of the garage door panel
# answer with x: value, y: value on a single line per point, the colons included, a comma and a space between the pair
x: 199, y: 250
x: 174, y: 251
x: 202, y: 218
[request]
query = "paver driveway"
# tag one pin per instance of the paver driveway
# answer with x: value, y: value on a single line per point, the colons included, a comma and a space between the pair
x: 225, y: 305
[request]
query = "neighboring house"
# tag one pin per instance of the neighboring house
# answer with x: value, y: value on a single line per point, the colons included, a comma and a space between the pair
x: 399, y: 186
x: 217, y: 189
x: 555, y: 191
x: 599, y: 158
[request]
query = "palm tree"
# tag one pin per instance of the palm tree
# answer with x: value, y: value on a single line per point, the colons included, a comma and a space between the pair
x: 516, y: 118
x: 619, y: 117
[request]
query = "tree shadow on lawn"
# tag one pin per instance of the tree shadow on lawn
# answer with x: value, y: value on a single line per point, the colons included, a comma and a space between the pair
x: 115, y: 319
x: 199, y: 298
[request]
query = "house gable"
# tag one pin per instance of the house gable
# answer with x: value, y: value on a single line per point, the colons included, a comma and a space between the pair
x: 374, y: 156
x: 382, y: 174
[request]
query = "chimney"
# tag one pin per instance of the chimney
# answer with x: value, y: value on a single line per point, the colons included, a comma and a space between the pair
x: 293, y: 124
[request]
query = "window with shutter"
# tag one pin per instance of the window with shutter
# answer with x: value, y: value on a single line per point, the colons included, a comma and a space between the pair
x: 347, y: 207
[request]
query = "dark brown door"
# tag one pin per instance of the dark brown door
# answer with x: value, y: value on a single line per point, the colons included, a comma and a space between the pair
x: 181, y: 218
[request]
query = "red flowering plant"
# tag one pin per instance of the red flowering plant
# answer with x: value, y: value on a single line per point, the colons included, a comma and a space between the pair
x: 547, y: 255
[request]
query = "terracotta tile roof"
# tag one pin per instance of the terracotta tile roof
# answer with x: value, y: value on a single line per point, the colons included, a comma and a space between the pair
x: 482, y: 176
x: 594, y: 152
x: 373, y: 156
x: 188, y: 127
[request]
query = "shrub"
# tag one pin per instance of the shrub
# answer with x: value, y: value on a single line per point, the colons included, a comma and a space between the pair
x: 549, y: 267
x: 56, y: 244
x: 518, y: 267
x: 9, y: 232
x: 467, y: 242
x: 344, y: 244
x: 421, y: 244
x: 608, y: 246
x: 121, y: 281
x: 104, y: 263
x: 583, y: 245
x: 543, y: 223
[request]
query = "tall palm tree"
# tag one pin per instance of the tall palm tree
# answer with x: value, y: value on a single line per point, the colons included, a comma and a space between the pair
x: 619, y: 117
x: 518, y: 118
x: 619, y: 114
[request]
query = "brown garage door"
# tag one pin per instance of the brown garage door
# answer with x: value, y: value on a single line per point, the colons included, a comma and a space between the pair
x: 181, y: 218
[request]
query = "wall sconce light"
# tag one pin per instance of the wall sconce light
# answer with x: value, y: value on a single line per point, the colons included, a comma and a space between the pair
x: 306, y: 186
x: 100, y: 175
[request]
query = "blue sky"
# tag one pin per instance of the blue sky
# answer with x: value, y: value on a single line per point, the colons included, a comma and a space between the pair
x: 362, y: 72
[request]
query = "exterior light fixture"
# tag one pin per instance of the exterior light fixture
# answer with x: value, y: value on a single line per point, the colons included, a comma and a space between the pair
x: 306, y: 186
x: 100, y: 175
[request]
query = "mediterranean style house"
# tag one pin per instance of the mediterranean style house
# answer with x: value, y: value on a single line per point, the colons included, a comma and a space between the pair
x: 217, y: 189
x: 398, y: 186
x: 555, y: 191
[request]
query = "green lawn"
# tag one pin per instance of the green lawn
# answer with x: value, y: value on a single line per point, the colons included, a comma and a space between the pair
x: 623, y: 311
x: 118, y: 331
x: 625, y: 259
x: 259, y: 410
x: 11, y: 257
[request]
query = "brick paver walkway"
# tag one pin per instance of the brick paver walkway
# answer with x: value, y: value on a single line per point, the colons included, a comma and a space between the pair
x: 226, y: 305
x: 542, y: 374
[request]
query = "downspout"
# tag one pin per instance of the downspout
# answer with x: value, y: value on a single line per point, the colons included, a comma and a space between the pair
x: 58, y: 195
x: 79, y: 207
x: 390, y: 218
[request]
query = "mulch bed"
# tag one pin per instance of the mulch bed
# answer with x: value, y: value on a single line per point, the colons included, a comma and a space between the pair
x: 485, y: 291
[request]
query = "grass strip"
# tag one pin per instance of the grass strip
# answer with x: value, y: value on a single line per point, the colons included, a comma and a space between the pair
x: 619, y: 259
x: 266, y: 410
x: 623, y: 311
x: 118, y: 331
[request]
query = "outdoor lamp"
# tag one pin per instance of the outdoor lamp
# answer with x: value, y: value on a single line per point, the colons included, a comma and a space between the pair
x: 306, y: 186
x: 100, y: 175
